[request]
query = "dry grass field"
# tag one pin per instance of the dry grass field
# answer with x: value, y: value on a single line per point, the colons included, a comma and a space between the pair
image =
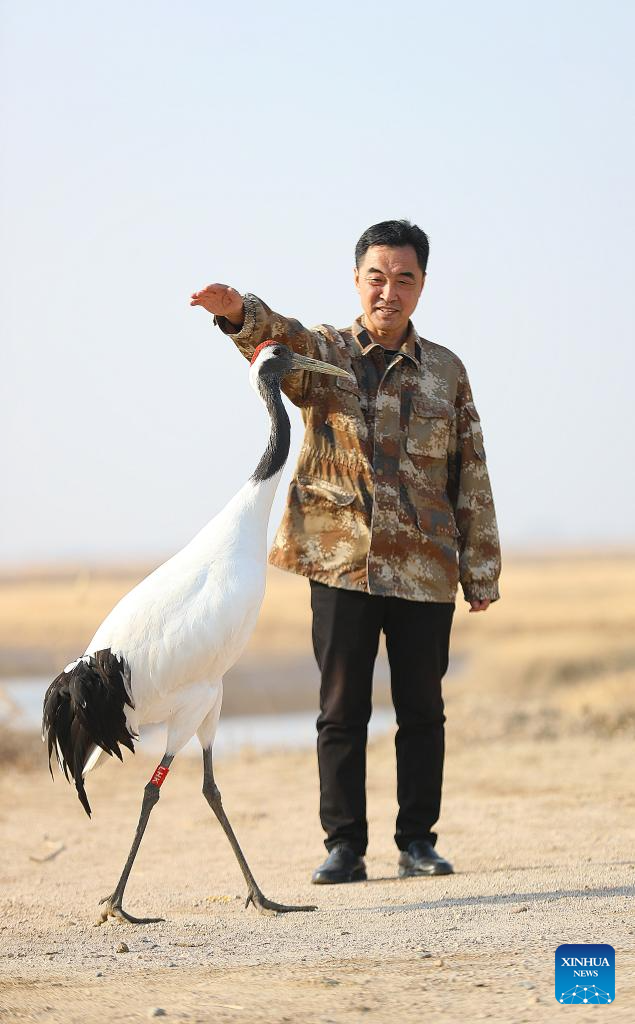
x: 538, y: 818
x: 561, y: 641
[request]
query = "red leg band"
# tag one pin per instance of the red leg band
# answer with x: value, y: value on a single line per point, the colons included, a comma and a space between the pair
x: 160, y: 773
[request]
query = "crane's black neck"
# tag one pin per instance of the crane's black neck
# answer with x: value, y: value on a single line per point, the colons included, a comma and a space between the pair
x: 277, y: 451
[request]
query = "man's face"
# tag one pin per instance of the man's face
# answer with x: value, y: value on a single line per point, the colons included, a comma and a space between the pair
x: 389, y: 281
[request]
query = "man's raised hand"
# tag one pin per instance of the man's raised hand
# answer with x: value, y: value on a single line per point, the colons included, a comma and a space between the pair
x: 221, y: 300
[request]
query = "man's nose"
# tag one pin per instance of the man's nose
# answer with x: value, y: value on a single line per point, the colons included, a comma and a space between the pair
x: 389, y: 291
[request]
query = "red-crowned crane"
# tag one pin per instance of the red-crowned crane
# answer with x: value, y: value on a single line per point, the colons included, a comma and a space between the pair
x: 161, y: 653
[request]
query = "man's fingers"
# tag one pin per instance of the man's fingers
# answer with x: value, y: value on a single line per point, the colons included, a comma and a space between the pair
x: 215, y: 289
x: 221, y: 300
x: 211, y: 297
x: 212, y: 289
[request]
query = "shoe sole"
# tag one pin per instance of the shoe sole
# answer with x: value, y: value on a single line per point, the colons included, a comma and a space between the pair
x: 424, y: 872
x: 359, y: 875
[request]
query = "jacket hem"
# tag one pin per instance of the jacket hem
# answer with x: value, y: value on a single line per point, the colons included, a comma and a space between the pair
x: 331, y: 579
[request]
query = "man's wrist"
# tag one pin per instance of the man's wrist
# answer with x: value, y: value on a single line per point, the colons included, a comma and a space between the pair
x: 236, y: 319
x: 229, y: 326
x: 251, y: 318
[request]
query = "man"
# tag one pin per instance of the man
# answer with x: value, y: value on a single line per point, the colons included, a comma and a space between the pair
x: 390, y: 507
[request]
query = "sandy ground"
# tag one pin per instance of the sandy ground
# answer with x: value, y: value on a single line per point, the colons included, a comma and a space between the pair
x: 541, y: 832
x: 538, y: 819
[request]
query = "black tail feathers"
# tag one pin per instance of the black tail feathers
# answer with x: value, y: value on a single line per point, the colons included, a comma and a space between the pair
x: 84, y: 708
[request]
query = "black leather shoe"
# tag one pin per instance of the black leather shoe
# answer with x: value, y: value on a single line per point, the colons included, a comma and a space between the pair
x: 421, y: 858
x: 341, y: 865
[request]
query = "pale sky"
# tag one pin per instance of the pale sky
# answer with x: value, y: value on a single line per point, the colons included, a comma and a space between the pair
x: 150, y: 148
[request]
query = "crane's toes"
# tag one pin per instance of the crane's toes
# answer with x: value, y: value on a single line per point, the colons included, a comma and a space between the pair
x: 111, y: 907
x: 266, y: 906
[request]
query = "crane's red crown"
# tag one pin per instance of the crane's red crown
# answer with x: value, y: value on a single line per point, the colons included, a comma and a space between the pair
x: 259, y: 348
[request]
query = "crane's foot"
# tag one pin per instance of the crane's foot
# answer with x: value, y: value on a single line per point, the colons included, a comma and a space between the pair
x: 266, y: 906
x: 111, y: 907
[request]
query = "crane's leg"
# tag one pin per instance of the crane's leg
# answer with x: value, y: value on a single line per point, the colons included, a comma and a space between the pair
x: 112, y: 904
x: 211, y: 793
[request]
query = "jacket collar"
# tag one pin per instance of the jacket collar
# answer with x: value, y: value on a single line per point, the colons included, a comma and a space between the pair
x: 410, y: 348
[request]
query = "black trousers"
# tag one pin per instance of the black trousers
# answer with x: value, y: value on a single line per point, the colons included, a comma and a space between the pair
x: 346, y: 629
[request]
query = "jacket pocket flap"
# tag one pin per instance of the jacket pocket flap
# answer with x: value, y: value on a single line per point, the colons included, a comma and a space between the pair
x: 436, y: 523
x: 429, y: 408
x: 347, y: 385
x: 470, y: 409
x: 323, y: 489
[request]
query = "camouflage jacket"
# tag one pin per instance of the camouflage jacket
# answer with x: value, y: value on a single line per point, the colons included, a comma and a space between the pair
x: 391, y: 493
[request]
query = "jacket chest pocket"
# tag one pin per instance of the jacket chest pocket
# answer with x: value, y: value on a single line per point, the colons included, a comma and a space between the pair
x: 429, y: 428
x: 347, y: 412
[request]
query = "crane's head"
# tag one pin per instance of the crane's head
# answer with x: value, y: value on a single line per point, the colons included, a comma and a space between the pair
x: 273, y: 359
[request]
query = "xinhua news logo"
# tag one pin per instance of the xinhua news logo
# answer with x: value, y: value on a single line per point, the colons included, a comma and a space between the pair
x: 585, y: 974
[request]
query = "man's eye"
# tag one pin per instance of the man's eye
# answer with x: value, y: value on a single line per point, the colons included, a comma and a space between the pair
x: 375, y: 280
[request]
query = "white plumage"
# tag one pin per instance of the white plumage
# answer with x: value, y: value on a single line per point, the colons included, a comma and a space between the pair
x: 188, y: 622
x: 161, y: 653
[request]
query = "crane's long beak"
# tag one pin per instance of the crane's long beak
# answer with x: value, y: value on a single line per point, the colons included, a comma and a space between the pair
x: 317, y: 366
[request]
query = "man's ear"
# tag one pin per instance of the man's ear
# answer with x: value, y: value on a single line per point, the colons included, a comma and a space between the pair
x: 356, y: 277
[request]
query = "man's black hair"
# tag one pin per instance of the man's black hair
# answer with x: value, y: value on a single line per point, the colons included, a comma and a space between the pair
x: 394, y: 233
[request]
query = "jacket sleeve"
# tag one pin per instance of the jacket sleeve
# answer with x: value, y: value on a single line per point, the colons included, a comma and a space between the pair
x: 471, y: 496
x: 262, y: 324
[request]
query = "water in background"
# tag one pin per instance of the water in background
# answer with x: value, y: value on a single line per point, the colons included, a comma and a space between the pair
x: 21, y: 707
